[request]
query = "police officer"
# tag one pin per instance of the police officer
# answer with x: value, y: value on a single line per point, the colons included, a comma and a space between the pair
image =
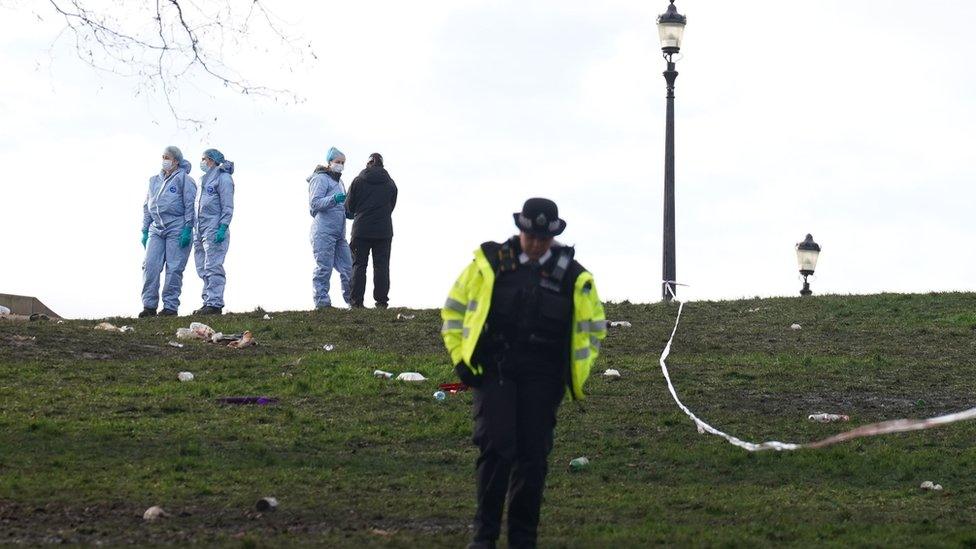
x: 523, y: 324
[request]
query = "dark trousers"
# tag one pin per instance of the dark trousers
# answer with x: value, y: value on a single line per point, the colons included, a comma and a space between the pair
x: 361, y: 248
x: 514, y: 424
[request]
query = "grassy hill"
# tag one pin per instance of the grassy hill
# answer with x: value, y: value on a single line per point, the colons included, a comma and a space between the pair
x: 95, y: 428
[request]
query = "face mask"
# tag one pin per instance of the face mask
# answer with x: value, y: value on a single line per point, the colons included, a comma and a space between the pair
x: 337, y: 168
x: 204, y: 167
x: 167, y: 165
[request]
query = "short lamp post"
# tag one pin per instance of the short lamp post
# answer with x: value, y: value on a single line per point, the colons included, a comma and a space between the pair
x: 807, y: 253
x: 671, y: 28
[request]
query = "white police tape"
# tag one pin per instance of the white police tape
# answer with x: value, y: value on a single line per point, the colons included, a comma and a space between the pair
x: 873, y: 429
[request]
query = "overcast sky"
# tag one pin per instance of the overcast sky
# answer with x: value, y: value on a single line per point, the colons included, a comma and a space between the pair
x: 853, y: 121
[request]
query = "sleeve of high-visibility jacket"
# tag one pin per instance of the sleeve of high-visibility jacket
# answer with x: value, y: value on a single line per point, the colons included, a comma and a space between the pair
x: 453, y: 315
x: 598, y: 322
x: 588, y: 333
x: 189, y: 197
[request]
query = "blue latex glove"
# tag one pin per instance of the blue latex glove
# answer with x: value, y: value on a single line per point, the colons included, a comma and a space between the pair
x: 145, y: 237
x: 221, y: 233
x: 340, y: 198
x: 185, y: 237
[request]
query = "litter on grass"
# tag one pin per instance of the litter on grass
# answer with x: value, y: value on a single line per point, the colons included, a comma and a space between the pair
x: 579, y: 464
x: 452, y: 388
x: 246, y: 340
x: 404, y: 316
x: 154, y: 513
x: 440, y: 395
x: 4, y: 310
x: 381, y: 374
x: 828, y: 418
x: 796, y: 327
x: 227, y: 339
x: 929, y: 485
x: 109, y: 327
x: 411, y: 376
x: 175, y: 344
x: 266, y: 504
x: 612, y: 374
x: 198, y: 330
x: 328, y: 347
x: 267, y: 316
x: 620, y: 324
x: 185, y: 376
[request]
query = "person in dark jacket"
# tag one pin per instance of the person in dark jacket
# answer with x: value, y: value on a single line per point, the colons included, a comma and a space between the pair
x: 372, y: 197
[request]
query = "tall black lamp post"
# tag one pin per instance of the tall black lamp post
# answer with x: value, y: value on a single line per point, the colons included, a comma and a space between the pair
x: 671, y: 27
x: 807, y: 253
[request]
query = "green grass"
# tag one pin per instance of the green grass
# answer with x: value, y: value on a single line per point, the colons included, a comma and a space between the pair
x: 95, y: 428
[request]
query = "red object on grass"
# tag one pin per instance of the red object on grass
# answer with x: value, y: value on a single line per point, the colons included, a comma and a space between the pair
x: 452, y: 387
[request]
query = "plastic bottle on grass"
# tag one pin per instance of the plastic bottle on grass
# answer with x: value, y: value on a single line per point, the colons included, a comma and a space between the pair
x: 440, y: 395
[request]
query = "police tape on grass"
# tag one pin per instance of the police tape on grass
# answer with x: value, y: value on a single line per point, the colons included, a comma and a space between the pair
x: 873, y: 429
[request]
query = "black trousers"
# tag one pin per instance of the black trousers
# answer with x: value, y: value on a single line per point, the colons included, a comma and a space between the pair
x: 515, y: 417
x: 361, y: 248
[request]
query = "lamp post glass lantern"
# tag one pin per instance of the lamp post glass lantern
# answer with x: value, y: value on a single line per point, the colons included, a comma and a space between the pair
x: 807, y: 253
x: 671, y: 28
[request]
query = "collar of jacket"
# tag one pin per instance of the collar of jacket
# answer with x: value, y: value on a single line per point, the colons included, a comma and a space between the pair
x: 327, y: 171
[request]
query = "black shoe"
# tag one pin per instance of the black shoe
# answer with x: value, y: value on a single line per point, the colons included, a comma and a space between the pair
x: 382, y: 305
x: 481, y: 545
x: 168, y: 312
x: 356, y: 306
x: 208, y: 310
x: 147, y: 312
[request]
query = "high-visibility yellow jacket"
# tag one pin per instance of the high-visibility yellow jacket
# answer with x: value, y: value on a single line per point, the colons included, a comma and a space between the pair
x: 466, y: 311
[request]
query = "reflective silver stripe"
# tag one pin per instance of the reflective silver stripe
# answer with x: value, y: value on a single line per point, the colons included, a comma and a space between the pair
x: 452, y: 325
x: 595, y: 342
x: 467, y: 333
x: 454, y: 305
x: 582, y: 354
x: 472, y: 305
x: 562, y: 262
x: 592, y: 326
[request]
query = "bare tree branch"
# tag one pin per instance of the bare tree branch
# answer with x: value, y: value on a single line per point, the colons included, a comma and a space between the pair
x: 161, y: 42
